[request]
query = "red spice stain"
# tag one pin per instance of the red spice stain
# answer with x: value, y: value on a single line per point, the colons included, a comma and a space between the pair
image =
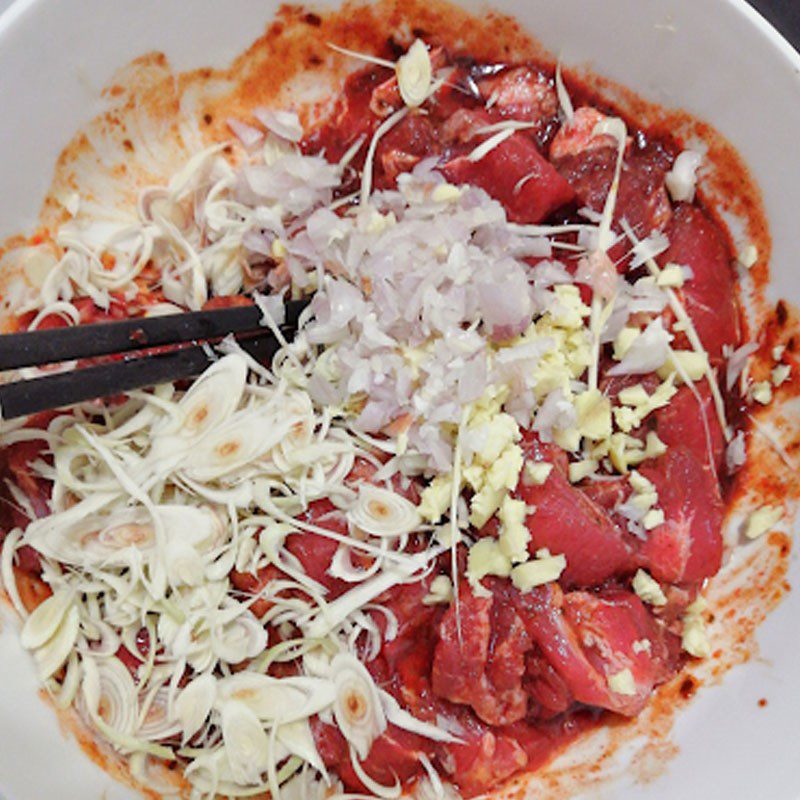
x: 290, y: 65
x: 111, y: 762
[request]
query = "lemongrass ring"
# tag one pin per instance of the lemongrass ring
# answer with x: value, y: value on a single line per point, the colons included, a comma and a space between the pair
x: 357, y: 708
x: 414, y: 74
x: 380, y: 512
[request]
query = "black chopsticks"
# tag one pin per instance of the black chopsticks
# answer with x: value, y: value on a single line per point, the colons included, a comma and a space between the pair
x: 105, y: 338
x: 186, y: 335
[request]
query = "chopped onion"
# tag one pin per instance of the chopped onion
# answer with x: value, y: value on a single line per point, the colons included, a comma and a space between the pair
x: 737, y: 361
x: 648, y: 352
x: 736, y: 452
x: 285, y: 124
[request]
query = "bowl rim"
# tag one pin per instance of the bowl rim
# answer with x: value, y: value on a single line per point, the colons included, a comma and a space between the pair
x: 18, y: 8
x: 751, y: 17
x: 741, y: 7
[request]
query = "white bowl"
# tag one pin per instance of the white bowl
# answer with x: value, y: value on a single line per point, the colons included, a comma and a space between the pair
x: 715, y: 58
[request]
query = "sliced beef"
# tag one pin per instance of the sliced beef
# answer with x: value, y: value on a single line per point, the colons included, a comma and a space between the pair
x: 522, y: 93
x: 394, y: 755
x: 687, y: 547
x: 567, y: 520
x: 351, y: 119
x: 570, y: 646
x: 587, y: 161
x: 516, y: 174
x: 710, y: 295
x: 483, y: 759
x: 314, y: 551
x: 251, y: 585
x: 482, y: 663
x: 693, y: 424
x: 403, y: 147
x: 587, y: 638
x: 547, y: 690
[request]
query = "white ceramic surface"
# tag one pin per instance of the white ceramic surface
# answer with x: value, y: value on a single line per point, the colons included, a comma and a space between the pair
x: 716, y: 58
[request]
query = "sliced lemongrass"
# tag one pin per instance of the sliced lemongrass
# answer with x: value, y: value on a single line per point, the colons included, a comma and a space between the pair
x: 400, y: 559
x: 281, y: 700
x: 612, y: 126
x: 381, y: 62
x: 289, y: 650
x: 564, y: 99
x: 455, y: 534
x: 227, y: 788
x: 9, y: 548
x: 65, y: 694
x: 381, y: 131
x: 194, y: 703
x: 239, y: 640
x: 214, y: 396
x: 342, y: 566
x: 506, y: 125
x: 377, y: 789
x: 246, y: 742
x: 51, y: 656
x: 493, y: 142
x: 334, y: 613
x: 400, y: 717
x: 244, y: 438
x: 185, y: 566
x: 110, y: 695
x: 414, y: 74
x: 154, y: 722
x: 296, y: 737
x: 381, y: 512
x: 46, y: 619
x: 357, y: 707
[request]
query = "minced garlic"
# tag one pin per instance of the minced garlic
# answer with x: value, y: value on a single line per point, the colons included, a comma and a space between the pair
x: 648, y: 589
x: 538, y: 572
x: 622, y: 683
x: 762, y: 520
